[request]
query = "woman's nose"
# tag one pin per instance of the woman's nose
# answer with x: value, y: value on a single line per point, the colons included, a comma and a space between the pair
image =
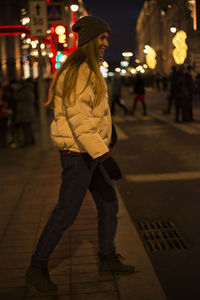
x: 106, y: 43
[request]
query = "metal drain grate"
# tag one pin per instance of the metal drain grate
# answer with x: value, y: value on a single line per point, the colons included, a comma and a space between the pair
x: 161, y: 235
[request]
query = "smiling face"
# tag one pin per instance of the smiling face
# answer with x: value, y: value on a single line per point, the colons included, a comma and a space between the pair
x: 102, y: 41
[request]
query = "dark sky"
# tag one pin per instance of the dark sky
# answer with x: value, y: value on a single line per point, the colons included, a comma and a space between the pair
x: 122, y: 17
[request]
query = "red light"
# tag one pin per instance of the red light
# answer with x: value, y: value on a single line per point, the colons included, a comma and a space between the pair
x: 60, y: 30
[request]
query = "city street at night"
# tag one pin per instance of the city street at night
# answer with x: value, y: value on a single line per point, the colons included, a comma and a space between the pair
x: 99, y: 150
x: 160, y: 185
x: 160, y: 162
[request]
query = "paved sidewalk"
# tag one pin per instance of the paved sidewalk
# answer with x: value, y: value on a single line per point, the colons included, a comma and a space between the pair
x: 29, y: 186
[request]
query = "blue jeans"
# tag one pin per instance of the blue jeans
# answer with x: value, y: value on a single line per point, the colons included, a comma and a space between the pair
x: 79, y: 174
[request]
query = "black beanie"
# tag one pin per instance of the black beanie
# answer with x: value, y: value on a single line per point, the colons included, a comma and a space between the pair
x: 88, y: 28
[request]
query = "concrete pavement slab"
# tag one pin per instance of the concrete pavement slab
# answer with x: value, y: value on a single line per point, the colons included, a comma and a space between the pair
x: 31, y: 196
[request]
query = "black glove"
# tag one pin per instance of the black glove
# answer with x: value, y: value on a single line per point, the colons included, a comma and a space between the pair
x: 112, y: 168
x: 113, y: 137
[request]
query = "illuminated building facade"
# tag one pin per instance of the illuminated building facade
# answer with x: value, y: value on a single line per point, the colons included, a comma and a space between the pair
x: 170, y: 28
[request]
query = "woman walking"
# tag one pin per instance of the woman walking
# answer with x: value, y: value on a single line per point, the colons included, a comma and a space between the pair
x: 139, y: 91
x: 81, y: 131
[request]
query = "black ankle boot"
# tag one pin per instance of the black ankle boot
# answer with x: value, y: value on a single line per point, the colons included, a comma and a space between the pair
x: 38, y: 276
x: 112, y: 263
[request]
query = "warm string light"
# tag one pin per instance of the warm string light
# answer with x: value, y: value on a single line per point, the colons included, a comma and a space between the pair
x: 180, y: 51
x: 150, y: 57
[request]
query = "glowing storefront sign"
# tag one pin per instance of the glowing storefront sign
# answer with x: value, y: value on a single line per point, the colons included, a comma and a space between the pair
x: 151, y: 58
x: 180, y: 51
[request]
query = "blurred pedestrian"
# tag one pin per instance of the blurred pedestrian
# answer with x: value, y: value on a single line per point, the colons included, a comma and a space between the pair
x: 197, y: 87
x: 3, y: 120
x: 164, y: 81
x: 13, y: 126
x: 183, y: 96
x: 116, y: 93
x: 179, y: 95
x: 25, y: 112
x: 139, y: 94
x: 172, y: 90
x: 81, y: 131
x: 34, y: 83
x: 188, y: 109
x: 158, y: 80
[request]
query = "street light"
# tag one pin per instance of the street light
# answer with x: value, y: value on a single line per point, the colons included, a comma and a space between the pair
x: 173, y: 29
x: 117, y: 70
x: 74, y: 5
x: 127, y: 54
x: 123, y: 72
x: 133, y: 70
x: 146, y: 49
x: 124, y: 63
x: 60, y: 29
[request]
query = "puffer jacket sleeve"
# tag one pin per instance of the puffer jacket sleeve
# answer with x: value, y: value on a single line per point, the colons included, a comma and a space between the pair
x: 81, y: 119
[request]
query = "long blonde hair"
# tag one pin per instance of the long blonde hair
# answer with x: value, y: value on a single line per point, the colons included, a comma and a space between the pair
x: 87, y: 53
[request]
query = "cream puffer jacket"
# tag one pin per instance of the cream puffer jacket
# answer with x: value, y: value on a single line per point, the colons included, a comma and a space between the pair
x: 81, y: 127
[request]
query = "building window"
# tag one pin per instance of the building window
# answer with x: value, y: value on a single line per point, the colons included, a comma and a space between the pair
x: 26, y: 69
x: 191, y: 4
